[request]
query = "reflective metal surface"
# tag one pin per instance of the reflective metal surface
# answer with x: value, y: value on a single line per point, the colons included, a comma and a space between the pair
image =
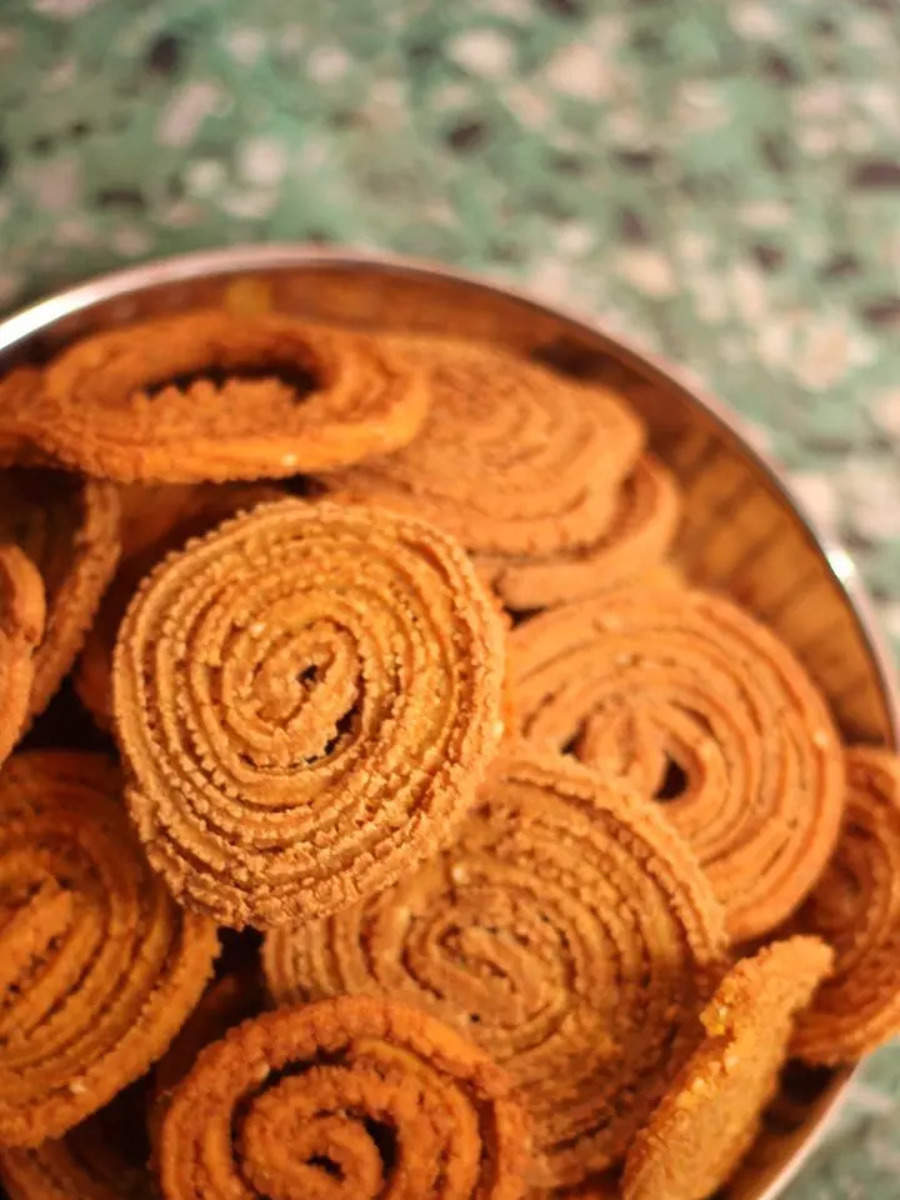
x: 741, y: 531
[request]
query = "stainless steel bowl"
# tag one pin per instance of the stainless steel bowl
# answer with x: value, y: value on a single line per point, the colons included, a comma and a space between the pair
x: 742, y: 530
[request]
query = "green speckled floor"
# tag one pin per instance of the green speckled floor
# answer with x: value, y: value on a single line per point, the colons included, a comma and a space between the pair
x: 719, y: 180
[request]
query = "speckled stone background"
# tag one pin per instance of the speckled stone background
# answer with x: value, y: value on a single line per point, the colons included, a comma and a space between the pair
x: 718, y: 180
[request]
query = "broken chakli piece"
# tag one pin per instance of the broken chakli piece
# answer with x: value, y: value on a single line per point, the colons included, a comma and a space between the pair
x: 358, y: 1097
x: 678, y: 690
x: 855, y: 906
x: 22, y: 613
x: 98, y: 965
x: 711, y: 1113
x: 527, y: 469
x: 569, y: 932
x: 215, y: 395
x: 69, y: 527
x: 306, y: 700
x: 156, y: 519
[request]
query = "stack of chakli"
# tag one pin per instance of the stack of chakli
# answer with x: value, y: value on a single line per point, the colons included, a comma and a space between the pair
x: 430, y: 836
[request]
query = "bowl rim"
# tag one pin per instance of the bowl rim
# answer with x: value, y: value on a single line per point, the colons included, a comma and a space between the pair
x: 115, y: 284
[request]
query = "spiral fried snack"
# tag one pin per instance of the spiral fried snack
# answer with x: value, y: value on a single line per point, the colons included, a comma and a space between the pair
x: 642, y: 528
x: 692, y: 700
x: 856, y: 907
x: 711, y: 1113
x: 69, y: 528
x: 18, y: 389
x: 156, y: 519
x: 307, y: 699
x: 98, y: 966
x: 512, y: 459
x: 216, y: 395
x: 355, y: 1097
x: 226, y: 1002
x: 89, y: 1163
x: 568, y: 933
x: 22, y: 616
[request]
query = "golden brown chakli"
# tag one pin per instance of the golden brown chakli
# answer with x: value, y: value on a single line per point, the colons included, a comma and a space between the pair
x: 227, y: 1002
x: 512, y: 459
x: 22, y: 613
x: 18, y: 389
x: 307, y: 699
x: 69, y: 528
x: 98, y: 966
x: 218, y: 395
x: 569, y: 932
x: 88, y: 1163
x: 856, y: 907
x: 688, y: 697
x: 355, y: 1097
x: 156, y: 518
x: 710, y: 1115
x: 636, y: 539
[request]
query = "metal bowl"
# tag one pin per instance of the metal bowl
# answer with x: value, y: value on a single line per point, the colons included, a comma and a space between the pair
x: 742, y: 530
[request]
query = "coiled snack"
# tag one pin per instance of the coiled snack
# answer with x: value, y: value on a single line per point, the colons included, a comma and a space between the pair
x: 156, y: 519
x: 227, y: 1002
x: 69, y: 528
x: 855, y: 906
x: 710, y: 1115
x: 570, y: 933
x: 307, y: 699
x: 355, y: 1097
x: 643, y: 525
x: 692, y: 700
x: 511, y: 460
x: 218, y: 395
x: 98, y: 966
x: 103, y: 1158
x: 22, y: 614
x: 18, y: 389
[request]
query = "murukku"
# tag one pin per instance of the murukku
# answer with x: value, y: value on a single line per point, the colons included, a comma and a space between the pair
x: 98, y: 966
x: 511, y: 460
x: 156, y: 519
x: 22, y: 614
x: 227, y: 1002
x: 307, y: 699
x: 569, y: 932
x: 100, y: 1159
x: 856, y: 907
x: 356, y: 1097
x: 710, y: 1115
x: 694, y: 702
x: 641, y: 531
x: 212, y: 395
x: 69, y: 528
x: 18, y: 388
